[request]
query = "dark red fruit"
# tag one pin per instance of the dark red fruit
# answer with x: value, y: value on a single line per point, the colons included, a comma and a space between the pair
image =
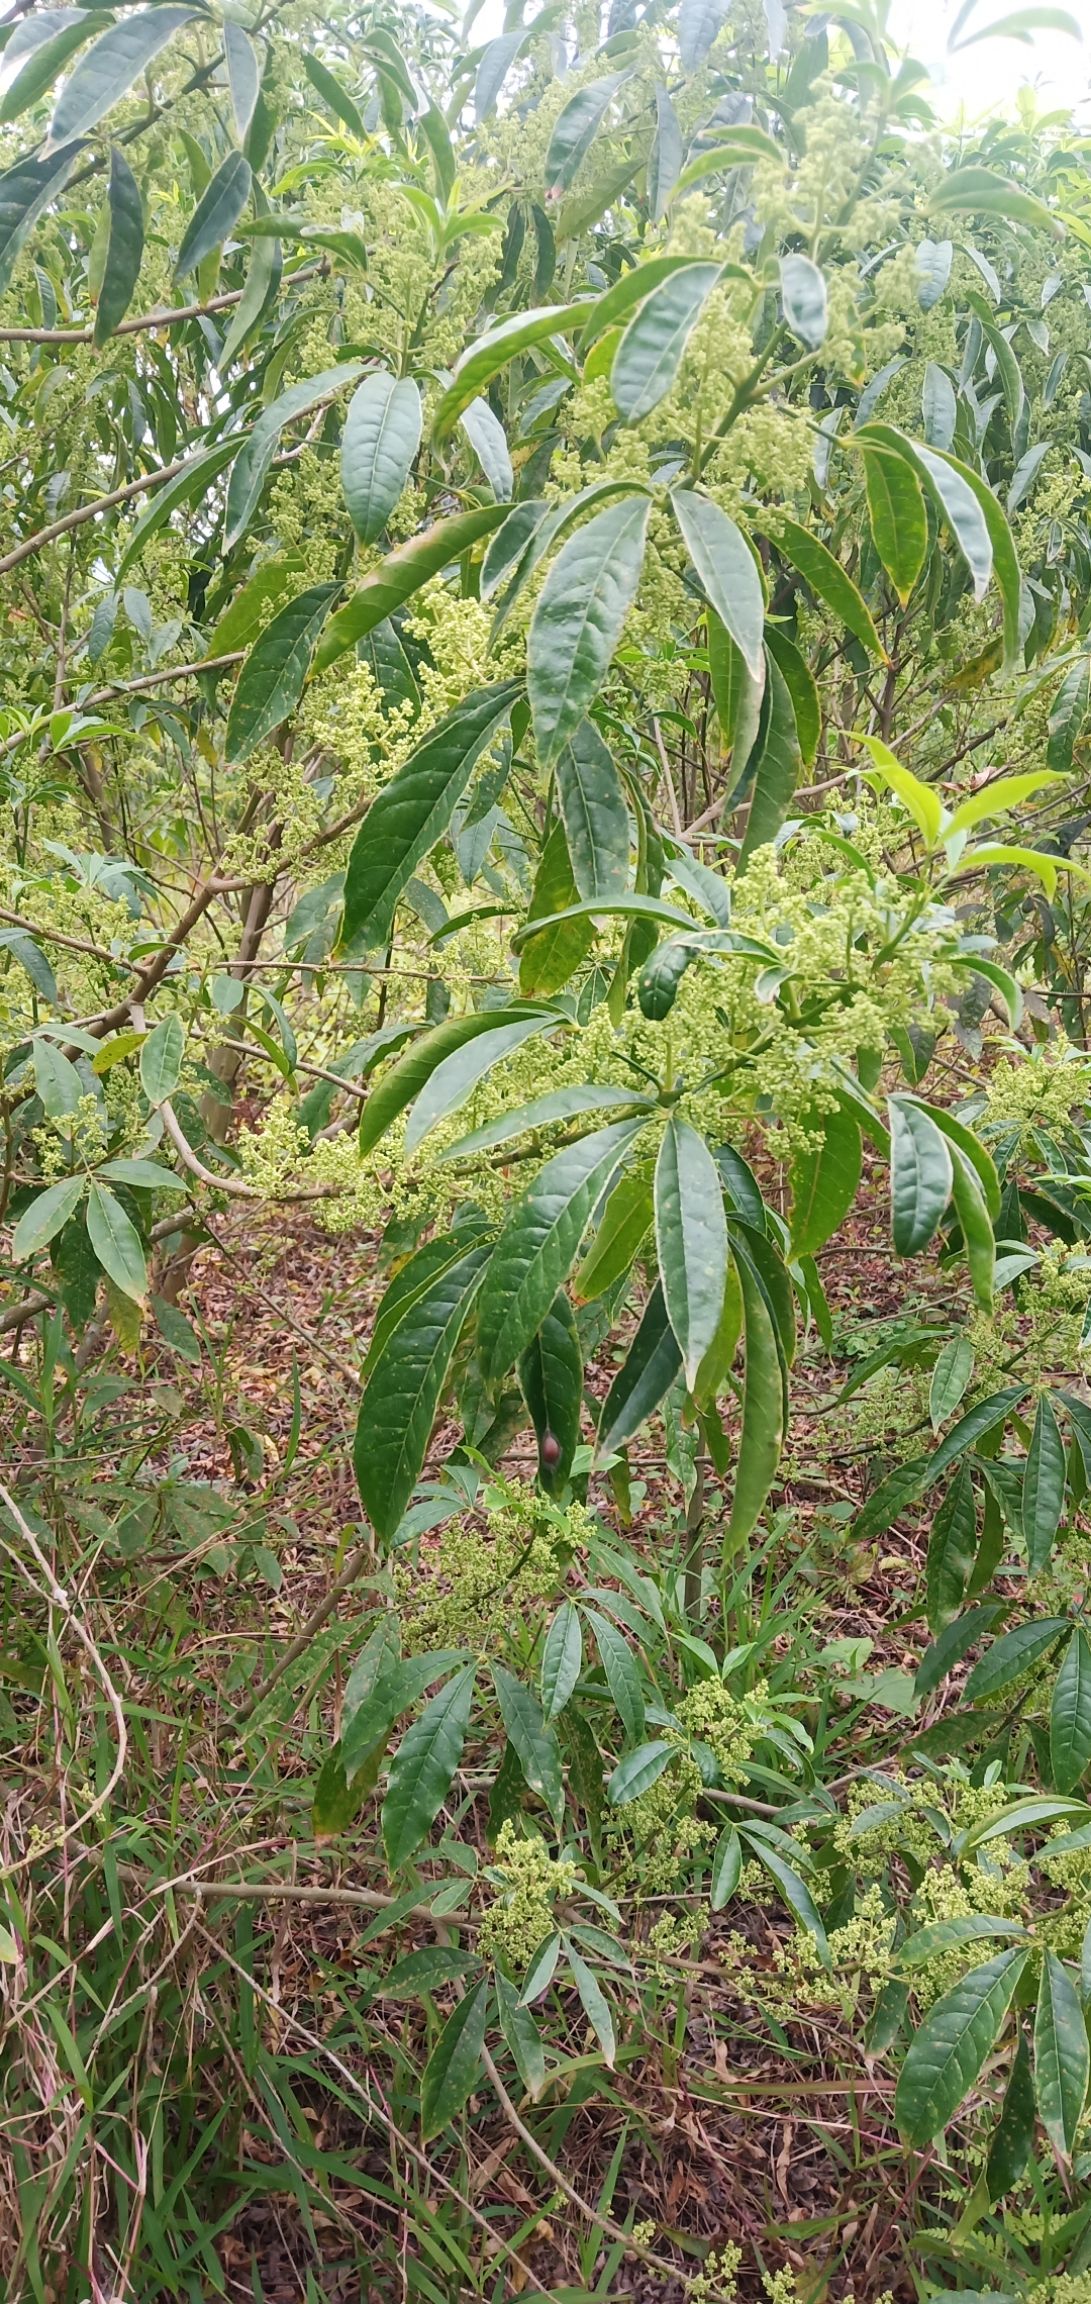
x: 551, y: 1449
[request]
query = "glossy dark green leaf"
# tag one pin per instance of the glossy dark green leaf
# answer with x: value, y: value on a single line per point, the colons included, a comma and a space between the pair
x: 578, y: 618
x: 802, y: 689
x: 596, y: 819
x: 493, y: 352
x: 1061, y: 2057
x: 645, y: 1377
x: 1068, y: 714
x: 775, y: 765
x: 106, y: 73
x: 952, y: 1544
x: 411, y: 1074
x: 622, y: 1674
x: 737, y: 695
x: 639, y: 1770
x: 920, y: 1177
x: 423, y: 1767
x: 575, y: 129
x: 899, y: 520
x: 691, y: 1240
x: 243, y: 75
x: 803, y: 295
x: 380, y: 439
x: 161, y: 1059
x: 562, y: 1659
x: 979, y: 192
x: 823, y: 572
x: 548, y: 961
x: 414, y: 810
x: 1011, y: 1656
x: 270, y: 683
x: 651, y: 351
x: 403, y: 1392
x: 727, y: 1861
x: 26, y: 188
x: 454, y: 2066
x: 972, y: 1427
x: 402, y: 573
x: 253, y: 462
x: 487, y: 438
x: 1043, y: 1485
x: 326, y: 85
x: 45, y: 1216
x: 1070, y: 1715
x: 975, y: 1223
x: 950, y: 1377
x: 124, y: 247
x: 430, y: 1969
x: 453, y: 1080
x: 116, y: 1242
x: 1013, y: 2136
x: 824, y: 1180
x: 551, y: 1377
x: 534, y: 1741
x: 764, y: 1406
x: 37, y: 49
x: 727, y: 570
x: 795, y: 1891
x: 539, y: 1241
x: 216, y: 214
x: 947, y: 2054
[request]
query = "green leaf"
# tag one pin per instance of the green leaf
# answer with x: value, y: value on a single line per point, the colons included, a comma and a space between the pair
x: 562, y: 1659
x: 1068, y: 714
x: 595, y: 2005
x: 651, y: 350
x: 951, y: 1548
x: 522, y: 2036
x: 270, y: 683
x: 454, y: 2066
x: 56, y: 1079
x: 216, y: 214
x: 31, y: 958
x: 699, y: 21
x: 542, y: 1111
x: 381, y: 1687
x: 1013, y: 2136
x: 534, y: 1741
x: 143, y: 1175
x: 262, y: 281
x: 727, y: 571
x: 795, y: 1892
x: 401, y: 574
x: 802, y: 690
x: 252, y: 464
x: 953, y: 1644
x: 824, y: 1180
x: 414, y: 811
x: 578, y: 617
x: 192, y: 482
x: 691, y: 1240
x: 622, y: 1673
x: 950, y: 1376
x: 44, y: 1218
x: 1011, y: 1656
x: 575, y: 129
x: 803, y: 295
x: 124, y: 247
x: 665, y: 157
x: 379, y: 442
x: 639, y: 1770
x: 25, y: 189
x: 161, y: 1059
x: 488, y: 440
x: 971, y: 1427
x: 1070, y: 1715
x: 551, y: 1377
x: 826, y: 577
x: 899, y: 521
x: 539, y: 1240
x: 328, y: 87
x: 428, y: 1970
x: 453, y: 1081
x: 727, y: 1860
x: 737, y: 696
x: 409, y: 1076
x: 764, y: 1406
x: 37, y: 49
x: 776, y: 772
x: 946, y: 1935
x: 1061, y: 2056
x: 643, y: 1380
x: 548, y: 960
x: 921, y: 1175
x: 403, y: 1391
x: 493, y: 352
x: 1043, y: 1486
x: 116, y: 1242
x: 977, y: 1232
x: 423, y: 1767
x: 106, y: 73
x: 243, y: 75
x: 978, y: 192
x: 946, y: 2055
x: 596, y: 819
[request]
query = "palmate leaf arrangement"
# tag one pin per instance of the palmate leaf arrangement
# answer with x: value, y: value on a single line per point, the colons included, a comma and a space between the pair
x: 770, y: 550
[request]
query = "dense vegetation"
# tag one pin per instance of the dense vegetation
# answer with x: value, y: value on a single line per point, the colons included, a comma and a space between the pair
x: 544, y: 735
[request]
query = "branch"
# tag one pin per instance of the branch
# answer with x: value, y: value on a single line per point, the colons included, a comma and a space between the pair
x: 167, y: 319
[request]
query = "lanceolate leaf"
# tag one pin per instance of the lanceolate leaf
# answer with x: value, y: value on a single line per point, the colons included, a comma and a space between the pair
x: 920, y: 1181
x: 454, y: 2066
x: 423, y: 1767
x: 25, y: 189
x: 243, y: 75
x: 252, y: 465
x: 946, y: 2055
x: 644, y: 1378
x: 951, y: 1547
x: 414, y: 810
x: 764, y: 1406
x: 691, y: 1241
x: 578, y: 618
x: 124, y: 248
x: 562, y: 1657
x: 596, y: 819
x: 454, y: 1079
x: 826, y: 577
x: 404, y: 1389
x: 551, y: 1375
x: 1043, y: 1486
x: 414, y: 1068
x: 534, y: 1740
x: 216, y: 214
x: 271, y: 681
x: 1061, y: 2056
x: 650, y: 353
x: 43, y: 1219
x: 824, y: 1181
x: 698, y: 23
x: 665, y: 157
x: 775, y: 766
x: 401, y: 574
x: 1070, y: 1716
x: 899, y: 521
x: 538, y: 1244
x: 107, y: 71
x: 380, y: 439
x: 803, y: 293
x: 727, y: 570
x: 1013, y: 2139
x: 116, y: 1242
x: 575, y: 130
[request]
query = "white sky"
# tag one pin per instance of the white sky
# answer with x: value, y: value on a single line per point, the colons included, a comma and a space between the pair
x: 986, y: 76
